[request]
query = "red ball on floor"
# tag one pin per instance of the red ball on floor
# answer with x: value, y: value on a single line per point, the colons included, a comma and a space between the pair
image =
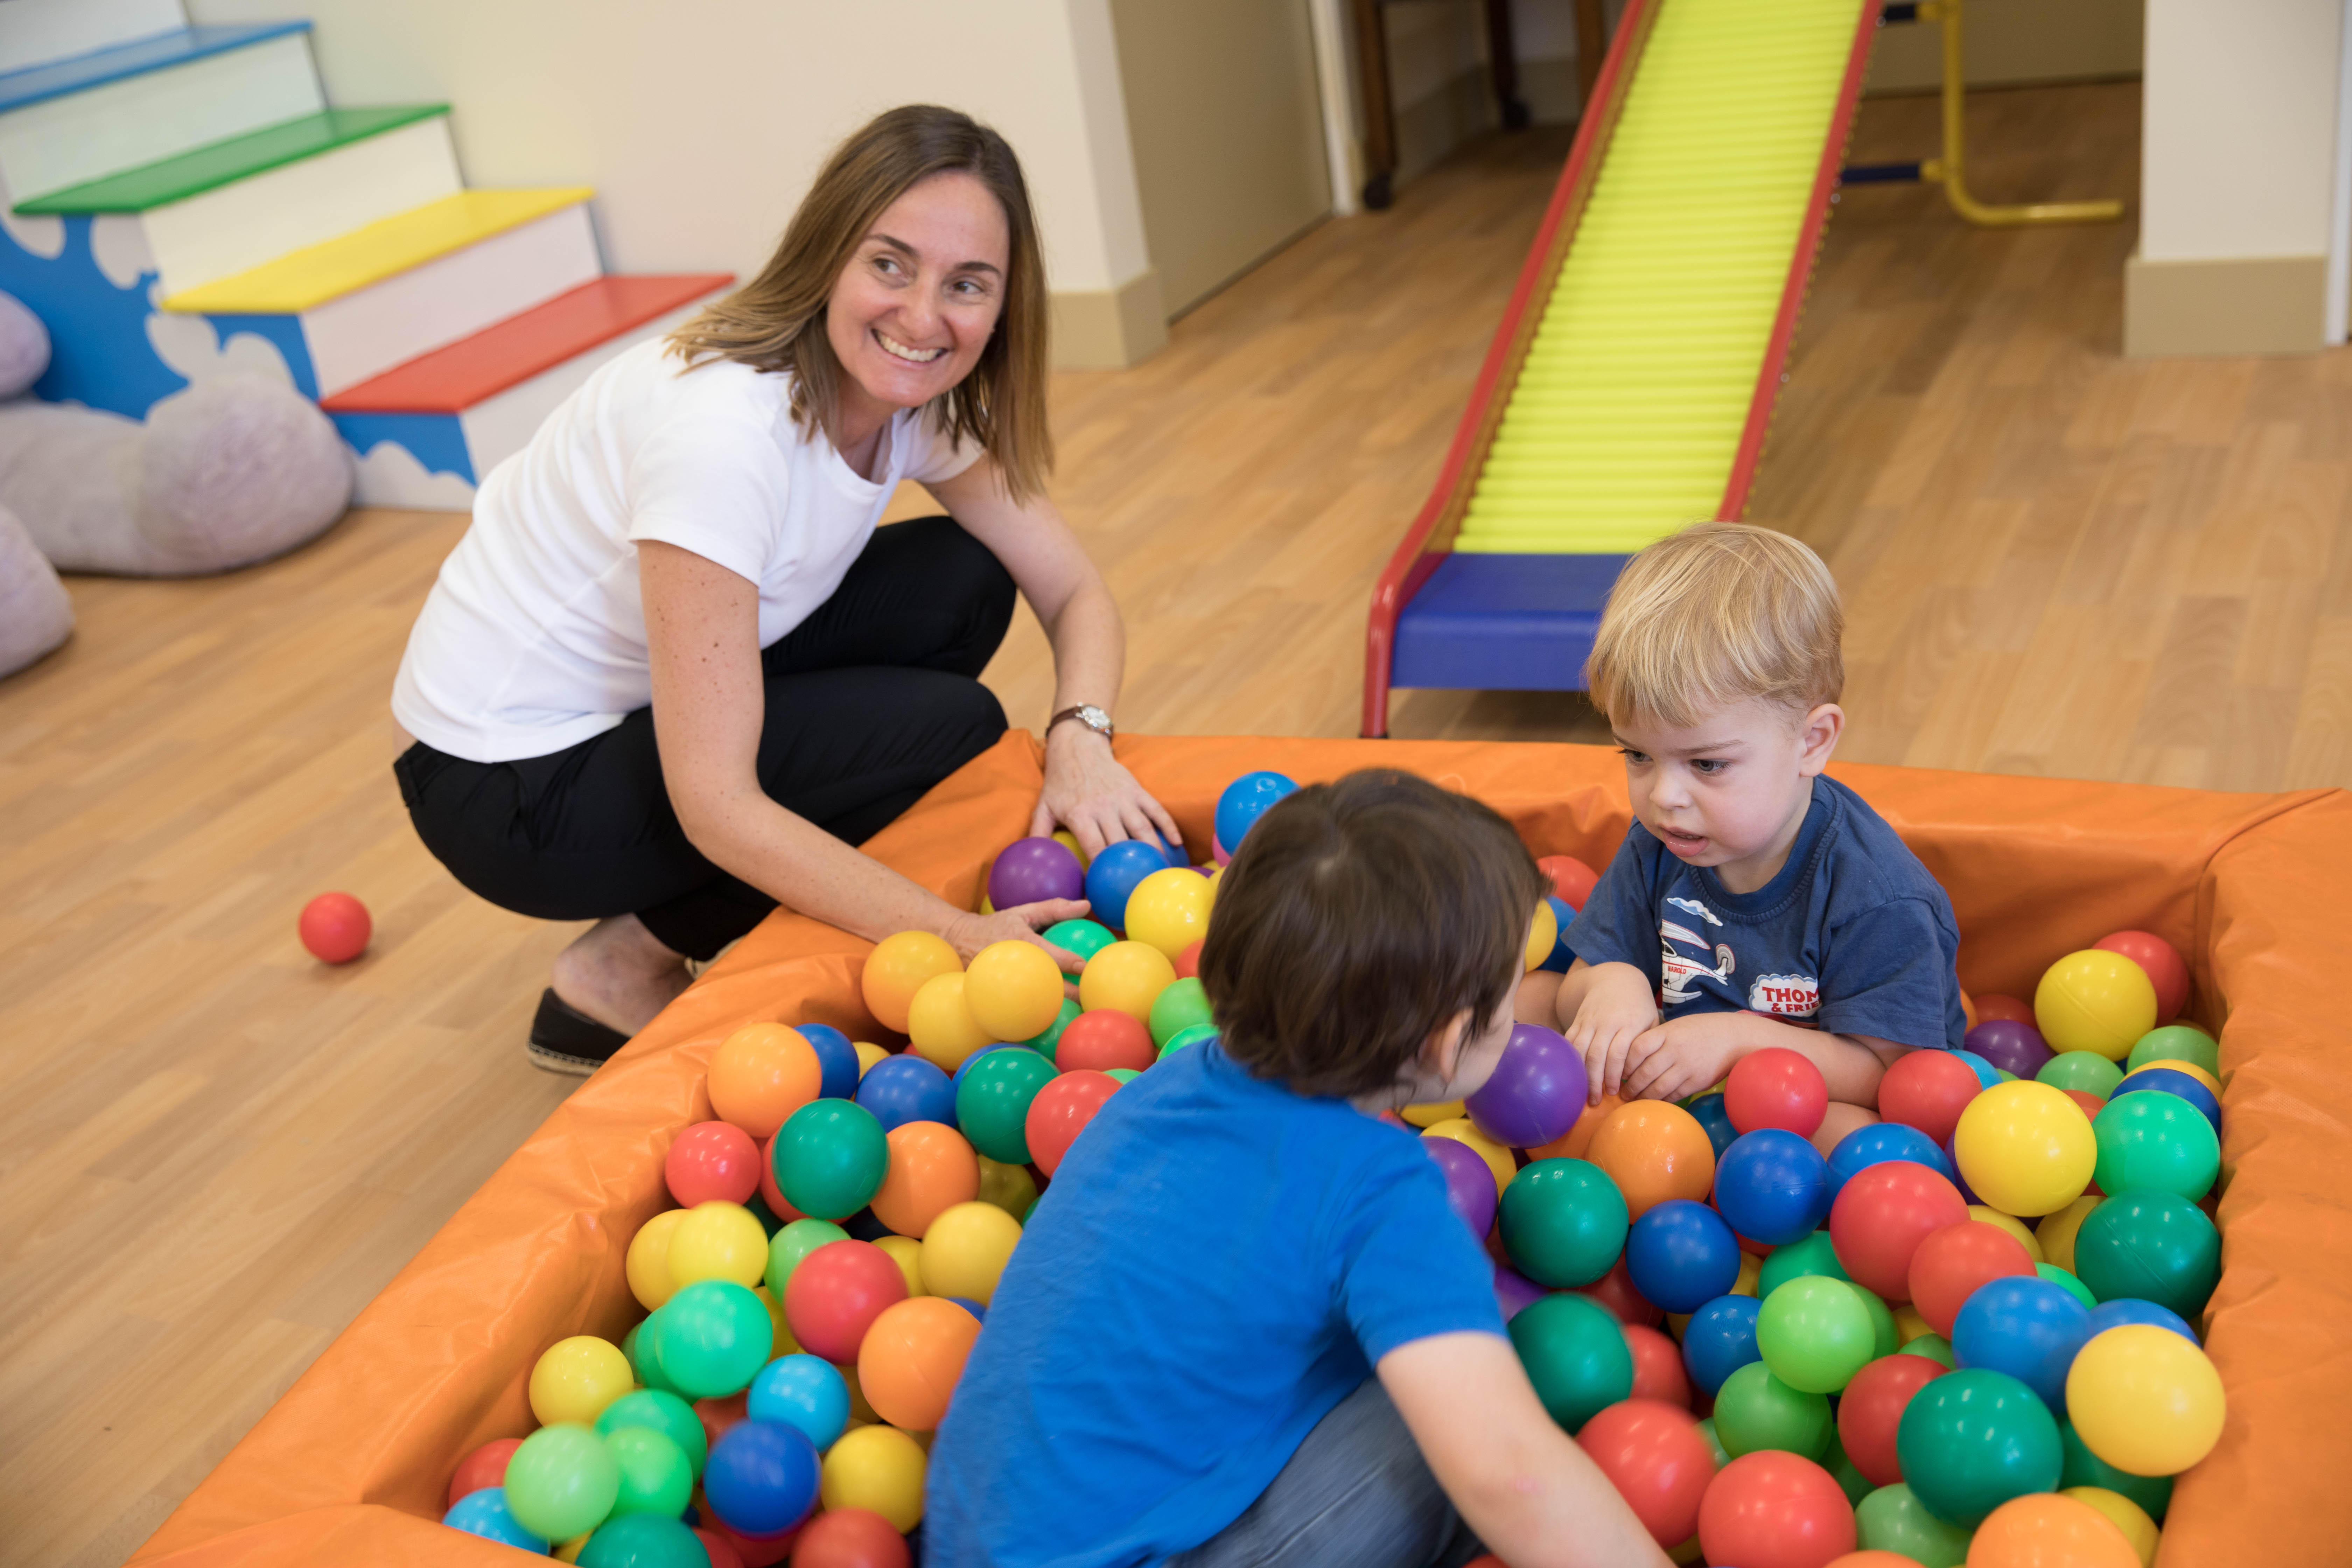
x: 335, y: 928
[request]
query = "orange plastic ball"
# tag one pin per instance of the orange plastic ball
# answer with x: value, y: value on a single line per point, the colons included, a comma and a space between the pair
x: 1014, y: 990
x: 910, y: 1360
x: 1574, y: 1143
x: 1128, y: 976
x: 2044, y: 1529
x: 932, y: 1169
x: 941, y: 1024
x: 896, y: 969
x: 761, y: 1074
x: 1653, y: 1151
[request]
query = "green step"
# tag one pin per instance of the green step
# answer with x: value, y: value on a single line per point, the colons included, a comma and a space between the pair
x: 218, y: 164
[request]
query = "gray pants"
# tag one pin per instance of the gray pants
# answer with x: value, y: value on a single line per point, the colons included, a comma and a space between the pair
x: 1357, y: 1494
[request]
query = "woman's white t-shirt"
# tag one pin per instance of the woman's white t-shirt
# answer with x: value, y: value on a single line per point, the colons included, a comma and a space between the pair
x: 533, y: 638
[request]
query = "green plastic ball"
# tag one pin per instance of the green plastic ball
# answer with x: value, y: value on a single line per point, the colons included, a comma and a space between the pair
x: 712, y: 1338
x: 1934, y: 1347
x: 992, y: 1102
x: 2154, y: 1245
x: 1182, y: 1007
x: 1843, y: 1470
x: 2067, y: 1282
x: 1715, y: 1448
x: 1564, y: 1222
x: 759, y: 1210
x: 1814, y: 1334
x: 664, y: 1413
x: 1974, y: 1439
x: 1124, y: 1075
x: 1184, y: 1039
x: 2087, y: 1071
x: 1893, y: 1518
x: 1885, y: 1338
x: 657, y: 1477
x: 644, y: 1540
x: 1576, y: 1356
x: 1813, y: 1254
x: 2176, y: 1043
x: 2084, y: 1469
x: 637, y: 1348
x: 1085, y: 938
x: 2156, y: 1142
x: 1045, y: 1044
x: 1755, y: 1410
x: 830, y: 1156
x: 794, y: 1242
x: 561, y: 1482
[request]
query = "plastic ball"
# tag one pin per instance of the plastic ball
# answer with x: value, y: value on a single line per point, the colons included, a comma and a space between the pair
x: 1655, y: 1153
x: 966, y: 1251
x: 760, y: 1074
x: 647, y: 1264
x: 1815, y: 1333
x: 1536, y: 1091
x: 1881, y: 1217
x: 2028, y: 1327
x: 561, y: 1482
x: 1060, y: 1111
x: 2011, y: 1046
x: 931, y: 1169
x: 718, y: 1240
x: 2056, y: 1232
x: 2151, y: 1246
x: 1893, y: 1519
x: 1652, y: 1453
x: 1188, y: 962
x: 1562, y: 955
x: 1085, y: 938
x: 711, y: 1339
x: 1927, y: 1090
x: 1720, y: 1339
x: 899, y: 967
x: 1463, y: 1130
x: 2049, y: 1530
x: 1972, y: 1439
x: 1871, y: 1409
x: 794, y: 1242
x: 643, y: 1540
x: 1576, y: 1143
x: 992, y: 1102
x: 2171, y: 1081
x: 849, y: 1538
x: 1116, y: 873
x: 2161, y: 961
x: 2014, y: 1228
x: 1571, y: 879
x: 1708, y: 1110
x: 1776, y: 1087
x: 837, y: 1292
x: 1755, y: 1410
x: 1244, y: 801
x: 1183, y: 1005
x: 762, y: 1478
x: 2154, y: 1142
x: 2095, y: 1000
x: 1543, y: 936
x: 2139, y: 1530
x: 2081, y: 1072
x: 1103, y: 1040
x: 1574, y: 1356
x: 902, y: 1089
x: 804, y: 1392
x: 575, y: 1378
x: 1951, y: 1264
x: 485, y: 1467
x: 1127, y: 976
x: 1564, y: 1222
x: 880, y: 1469
x: 1876, y: 1144
x: 712, y: 1160
x: 2153, y: 1494
x: 910, y: 1359
x: 1815, y: 1254
x: 1469, y: 1184
x: 334, y: 928
x: 1006, y: 1186
x: 1013, y: 990
x: 836, y: 1053
x: 1773, y: 1186
x: 829, y: 1158
x: 1658, y: 1370
x: 1047, y: 1041
x: 657, y: 1476
x: 483, y: 1511
x: 1169, y: 910
x: 2175, y: 1043
x: 1033, y: 871
x: 2105, y: 1315
x: 1681, y: 1255
x: 941, y: 1026
x: 2025, y: 1148
x: 1774, y: 1509
x: 2145, y: 1399
x: 661, y: 1412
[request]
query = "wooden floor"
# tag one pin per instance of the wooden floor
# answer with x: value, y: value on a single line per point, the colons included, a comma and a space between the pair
x: 213, y: 1151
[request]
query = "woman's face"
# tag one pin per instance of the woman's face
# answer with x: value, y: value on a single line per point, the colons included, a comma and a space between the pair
x: 910, y: 313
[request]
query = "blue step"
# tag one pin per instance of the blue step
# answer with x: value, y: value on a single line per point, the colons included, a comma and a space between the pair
x: 1504, y: 623
x: 82, y: 72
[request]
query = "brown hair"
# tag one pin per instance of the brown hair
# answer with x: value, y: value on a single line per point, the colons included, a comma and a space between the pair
x: 776, y: 321
x: 1354, y: 921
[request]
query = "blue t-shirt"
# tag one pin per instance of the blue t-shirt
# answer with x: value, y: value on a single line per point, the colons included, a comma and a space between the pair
x: 1218, y: 1262
x: 1851, y: 935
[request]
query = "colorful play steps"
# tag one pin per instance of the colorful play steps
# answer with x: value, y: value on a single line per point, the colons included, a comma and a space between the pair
x: 1628, y: 388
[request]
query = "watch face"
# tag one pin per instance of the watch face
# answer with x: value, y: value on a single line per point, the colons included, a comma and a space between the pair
x: 1094, y: 717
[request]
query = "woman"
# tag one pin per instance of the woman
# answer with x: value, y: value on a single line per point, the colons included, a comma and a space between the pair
x: 674, y: 671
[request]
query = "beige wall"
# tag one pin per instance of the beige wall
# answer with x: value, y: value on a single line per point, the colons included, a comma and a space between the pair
x: 2009, y: 42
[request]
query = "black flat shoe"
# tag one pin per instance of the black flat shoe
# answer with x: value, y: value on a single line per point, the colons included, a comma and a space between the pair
x: 565, y: 1039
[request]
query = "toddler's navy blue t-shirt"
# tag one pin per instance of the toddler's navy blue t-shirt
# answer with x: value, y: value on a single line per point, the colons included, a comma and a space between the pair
x: 1216, y: 1265
x: 1851, y: 935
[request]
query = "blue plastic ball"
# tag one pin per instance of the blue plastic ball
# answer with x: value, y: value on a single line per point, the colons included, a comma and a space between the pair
x: 1772, y: 1186
x: 1681, y: 1254
x: 1877, y: 1144
x: 2026, y: 1327
x: 969, y: 1305
x: 761, y: 1476
x: 1709, y: 1111
x: 1986, y: 1074
x: 902, y: 1089
x: 2169, y: 1080
x: 836, y: 1055
x: 484, y: 1513
x: 1720, y: 1339
x: 804, y: 1392
x: 1561, y: 954
x: 1243, y: 802
x: 2125, y: 1309
x: 1115, y: 873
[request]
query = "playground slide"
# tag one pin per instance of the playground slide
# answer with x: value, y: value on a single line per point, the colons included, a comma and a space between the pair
x: 1630, y: 385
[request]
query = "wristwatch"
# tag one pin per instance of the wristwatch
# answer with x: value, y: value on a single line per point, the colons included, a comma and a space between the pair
x: 1086, y: 713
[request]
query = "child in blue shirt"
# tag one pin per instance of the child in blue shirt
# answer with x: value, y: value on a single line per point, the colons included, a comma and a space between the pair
x: 1243, y: 1326
x: 1756, y: 900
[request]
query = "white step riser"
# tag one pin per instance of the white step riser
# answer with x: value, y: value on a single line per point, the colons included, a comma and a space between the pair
x: 35, y: 32
x: 259, y: 219
x: 121, y: 125
x: 367, y: 333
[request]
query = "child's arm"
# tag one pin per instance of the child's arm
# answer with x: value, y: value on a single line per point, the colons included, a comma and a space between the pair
x: 1604, y: 1010
x: 1683, y: 1056
x: 1535, y: 1499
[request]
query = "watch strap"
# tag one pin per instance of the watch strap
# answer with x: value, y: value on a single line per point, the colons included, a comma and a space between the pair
x: 1080, y: 713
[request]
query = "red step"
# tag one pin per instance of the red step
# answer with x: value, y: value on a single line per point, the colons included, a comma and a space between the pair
x: 453, y: 379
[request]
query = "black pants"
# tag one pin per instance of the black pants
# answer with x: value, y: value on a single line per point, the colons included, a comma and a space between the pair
x: 871, y: 701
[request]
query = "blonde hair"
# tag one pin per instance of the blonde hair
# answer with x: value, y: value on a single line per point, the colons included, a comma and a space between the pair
x: 776, y: 321
x: 1712, y: 616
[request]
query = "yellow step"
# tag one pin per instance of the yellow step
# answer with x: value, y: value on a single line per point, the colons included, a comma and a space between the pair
x: 301, y: 279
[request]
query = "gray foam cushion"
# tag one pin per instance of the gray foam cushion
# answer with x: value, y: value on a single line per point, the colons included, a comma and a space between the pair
x: 35, y: 613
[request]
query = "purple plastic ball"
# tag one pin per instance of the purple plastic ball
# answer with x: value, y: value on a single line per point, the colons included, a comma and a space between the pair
x: 1952, y: 1169
x: 1536, y: 1092
x: 2009, y: 1046
x: 1469, y: 1183
x: 1514, y: 1290
x: 1032, y: 870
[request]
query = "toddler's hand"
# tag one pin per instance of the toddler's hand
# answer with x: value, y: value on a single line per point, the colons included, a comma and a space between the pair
x: 1682, y: 1055
x: 1617, y: 1009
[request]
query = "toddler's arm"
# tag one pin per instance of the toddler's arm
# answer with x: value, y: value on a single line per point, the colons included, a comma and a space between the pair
x: 1604, y: 1010
x: 1534, y: 1497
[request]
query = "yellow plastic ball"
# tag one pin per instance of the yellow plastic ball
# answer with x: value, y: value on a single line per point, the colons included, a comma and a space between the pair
x: 1909, y: 1325
x: 2095, y: 1001
x: 570, y: 1551
x: 908, y: 1254
x: 1014, y: 990
x: 1430, y: 1115
x: 860, y: 1412
x: 1542, y: 936
x: 1985, y: 1215
x: 1010, y: 1187
x: 717, y: 1240
x: 1127, y: 976
x: 2212, y: 1085
x: 576, y: 1378
x: 1751, y: 1274
x: 648, y: 1262
x: 2125, y: 1515
x: 2025, y: 1148
x: 1499, y: 1159
x: 868, y: 1053
x: 880, y: 1468
x: 1069, y: 841
x: 896, y: 969
x: 965, y: 1251
x: 941, y: 1024
x: 785, y: 1343
x: 2145, y: 1399
x: 1169, y: 910
x: 2056, y: 1232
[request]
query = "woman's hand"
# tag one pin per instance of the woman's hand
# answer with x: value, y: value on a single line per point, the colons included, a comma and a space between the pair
x: 1091, y: 793
x: 969, y: 933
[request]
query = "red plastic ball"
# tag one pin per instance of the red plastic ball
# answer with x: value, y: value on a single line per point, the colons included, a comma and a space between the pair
x: 1188, y: 962
x: 2092, y: 1104
x: 835, y: 1295
x: 485, y: 1467
x: 753, y: 1552
x: 712, y: 1160
x: 1871, y: 1409
x: 1883, y: 1215
x: 717, y: 1415
x: 715, y: 1546
x: 1992, y: 1004
x: 1658, y: 1371
x: 1952, y: 1263
x: 1572, y: 878
x: 1103, y: 1039
x: 850, y: 1538
x: 335, y: 928
x: 2166, y: 971
x: 1775, y: 1509
x: 770, y: 1193
x: 1927, y: 1090
x: 1776, y: 1087
x: 1653, y: 1455
x: 1061, y: 1112
x: 1614, y: 1290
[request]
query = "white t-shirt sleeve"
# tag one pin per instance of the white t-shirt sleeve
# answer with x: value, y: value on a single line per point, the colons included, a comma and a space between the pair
x: 711, y: 484
x: 934, y: 457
